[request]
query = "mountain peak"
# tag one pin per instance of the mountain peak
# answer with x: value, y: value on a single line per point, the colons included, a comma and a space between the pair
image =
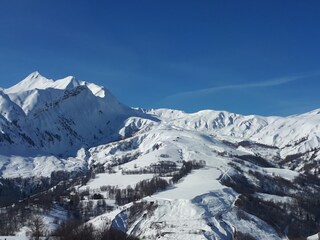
x: 33, y: 81
x: 36, y: 81
x: 36, y: 77
x: 33, y: 75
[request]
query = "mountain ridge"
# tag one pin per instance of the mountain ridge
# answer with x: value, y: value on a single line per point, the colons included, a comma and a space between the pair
x: 40, y: 114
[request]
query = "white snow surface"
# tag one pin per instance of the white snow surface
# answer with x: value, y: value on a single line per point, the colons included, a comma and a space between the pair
x: 314, y: 237
x: 13, y: 238
x: 117, y: 179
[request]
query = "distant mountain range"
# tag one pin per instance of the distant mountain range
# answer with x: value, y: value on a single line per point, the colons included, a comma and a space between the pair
x: 75, y: 126
x: 40, y: 116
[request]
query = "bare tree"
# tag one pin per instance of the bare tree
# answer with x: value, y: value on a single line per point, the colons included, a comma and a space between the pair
x: 75, y: 230
x: 37, y: 227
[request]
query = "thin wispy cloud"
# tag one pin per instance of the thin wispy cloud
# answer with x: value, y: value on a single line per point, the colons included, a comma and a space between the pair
x: 263, y: 84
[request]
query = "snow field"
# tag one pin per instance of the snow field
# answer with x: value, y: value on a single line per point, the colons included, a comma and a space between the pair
x: 116, y: 179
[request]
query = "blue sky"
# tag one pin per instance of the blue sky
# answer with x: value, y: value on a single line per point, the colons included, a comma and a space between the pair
x: 249, y: 57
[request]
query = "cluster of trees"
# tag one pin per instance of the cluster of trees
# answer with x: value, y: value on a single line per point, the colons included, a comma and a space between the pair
x: 160, y: 168
x: 91, y: 208
x: 187, y: 168
x: 109, y: 191
x: 138, y: 208
x: 9, y: 224
x: 291, y: 217
x: 168, y: 168
x: 237, y: 235
x: 142, y: 189
x: 257, y: 160
x: 117, y: 161
x: 299, y: 217
x: 13, y: 190
x: 73, y: 229
x: 26, y: 196
x: 22, y: 197
x: 12, y: 219
x: 149, y: 187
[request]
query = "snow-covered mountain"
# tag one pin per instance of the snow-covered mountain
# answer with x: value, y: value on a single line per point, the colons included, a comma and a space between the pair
x: 276, y: 131
x: 46, y: 117
x: 296, y: 137
x: 71, y: 125
x: 40, y: 116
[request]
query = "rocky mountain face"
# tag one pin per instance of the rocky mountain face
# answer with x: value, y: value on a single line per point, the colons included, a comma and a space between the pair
x: 214, y: 174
